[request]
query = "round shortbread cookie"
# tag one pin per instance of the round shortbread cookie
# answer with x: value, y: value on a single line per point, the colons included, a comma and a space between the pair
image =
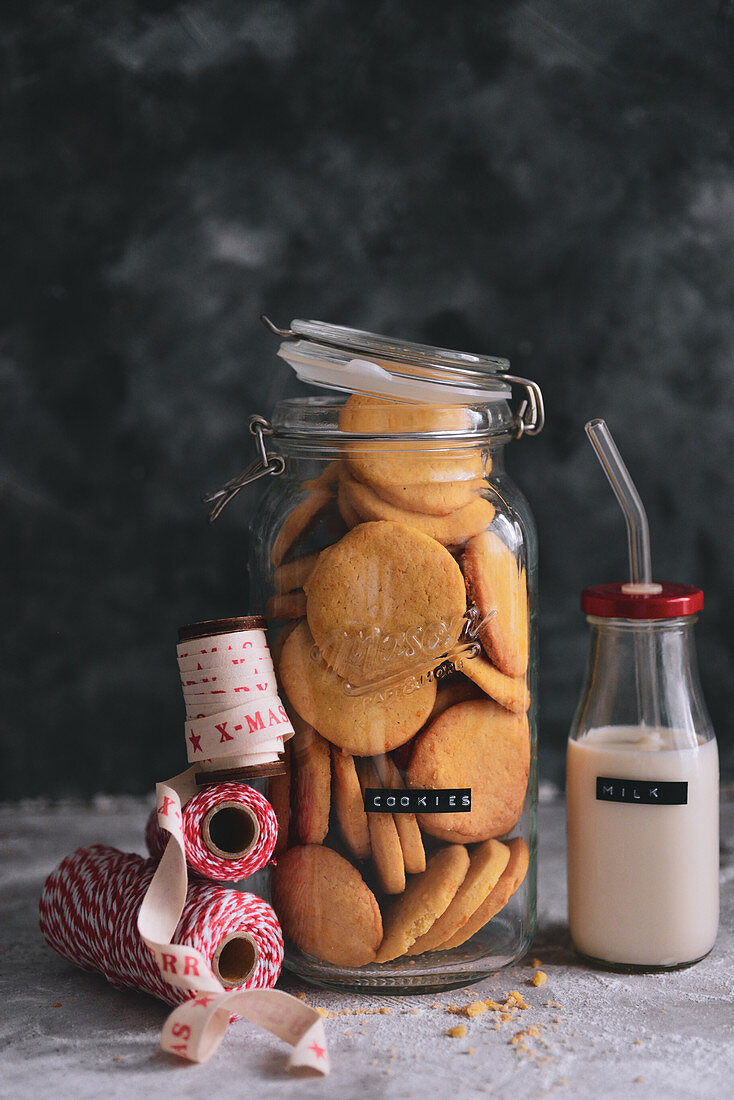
x: 347, y: 512
x: 430, y: 498
x: 488, y: 861
x: 320, y: 493
x: 509, y: 882
x: 387, y: 852
x: 412, y: 473
x: 449, y: 692
x: 292, y: 575
x: 311, y: 766
x: 325, y: 907
x: 426, y: 897
x: 511, y: 692
x: 361, y: 724
x: 481, y: 746
x: 496, y: 583
x: 348, y: 804
x: 409, y: 834
x: 451, y: 530
x: 383, y: 599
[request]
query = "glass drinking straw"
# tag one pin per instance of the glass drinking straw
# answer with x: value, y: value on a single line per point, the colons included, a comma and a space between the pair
x: 638, y: 542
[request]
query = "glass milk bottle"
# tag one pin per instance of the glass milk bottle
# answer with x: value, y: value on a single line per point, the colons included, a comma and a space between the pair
x: 643, y: 800
x: 642, y: 767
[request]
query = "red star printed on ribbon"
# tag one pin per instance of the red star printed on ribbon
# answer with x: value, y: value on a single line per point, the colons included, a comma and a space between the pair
x: 318, y: 1051
x: 203, y: 1001
x: 195, y: 742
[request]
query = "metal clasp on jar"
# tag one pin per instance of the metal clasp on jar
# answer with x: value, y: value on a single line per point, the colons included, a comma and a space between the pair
x: 266, y: 464
x: 530, y: 417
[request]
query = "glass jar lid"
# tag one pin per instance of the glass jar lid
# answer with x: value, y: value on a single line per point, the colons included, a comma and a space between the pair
x: 356, y: 361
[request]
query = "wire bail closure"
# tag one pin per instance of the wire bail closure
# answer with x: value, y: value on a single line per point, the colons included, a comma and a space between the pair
x: 266, y: 464
x: 530, y: 417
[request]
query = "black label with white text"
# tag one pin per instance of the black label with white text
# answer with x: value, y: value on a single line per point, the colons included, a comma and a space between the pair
x: 646, y: 792
x: 378, y: 801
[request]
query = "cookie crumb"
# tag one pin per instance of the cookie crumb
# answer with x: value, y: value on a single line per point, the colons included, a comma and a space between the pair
x: 301, y: 996
x: 638, y: 1042
x: 457, y: 1032
x: 539, y: 978
x: 639, y: 1080
x: 384, y: 1011
x: 470, y: 1050
x: 527, y: 1033
x: 517, y: 999
x: 322, y: 1012
x: 535, y: 963
x: 56, y: 1004
x: 476, y: 1008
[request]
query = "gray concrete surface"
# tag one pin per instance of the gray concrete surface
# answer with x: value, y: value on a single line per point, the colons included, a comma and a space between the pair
x: 599, y: 1034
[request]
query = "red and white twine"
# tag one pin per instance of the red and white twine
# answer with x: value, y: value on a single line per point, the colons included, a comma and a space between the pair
x: 199, y: 858
x: 88, y: 914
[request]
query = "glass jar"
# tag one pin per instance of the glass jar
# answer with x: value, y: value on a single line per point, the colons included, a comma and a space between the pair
x: 642, y: 790
x: 396, y: 561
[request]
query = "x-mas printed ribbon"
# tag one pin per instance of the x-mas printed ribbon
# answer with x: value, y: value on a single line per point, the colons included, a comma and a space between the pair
x: 240, y: 729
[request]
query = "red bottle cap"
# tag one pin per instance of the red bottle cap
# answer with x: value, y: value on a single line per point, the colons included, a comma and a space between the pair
x: 611, y: 601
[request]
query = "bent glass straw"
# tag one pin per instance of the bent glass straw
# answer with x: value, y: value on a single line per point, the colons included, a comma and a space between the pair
x: 638, y: 531
x: 638, y: 542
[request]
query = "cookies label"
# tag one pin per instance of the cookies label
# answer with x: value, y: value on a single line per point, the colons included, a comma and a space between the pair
x: 379, y: 800
x: 646, y: 792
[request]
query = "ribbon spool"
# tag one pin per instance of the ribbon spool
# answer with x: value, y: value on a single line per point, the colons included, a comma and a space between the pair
x: 229, y: 832
x: 88, y: 914
x: 235, y: 721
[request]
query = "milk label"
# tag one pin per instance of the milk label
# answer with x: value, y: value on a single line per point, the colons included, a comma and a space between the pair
x: 648, y: 793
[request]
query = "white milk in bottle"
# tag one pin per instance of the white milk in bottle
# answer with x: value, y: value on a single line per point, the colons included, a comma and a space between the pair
x: 643, y: 844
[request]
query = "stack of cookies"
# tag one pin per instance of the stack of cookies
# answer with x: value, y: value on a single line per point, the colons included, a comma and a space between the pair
x: 404, y: 662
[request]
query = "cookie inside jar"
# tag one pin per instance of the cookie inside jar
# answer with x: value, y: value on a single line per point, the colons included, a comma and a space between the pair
x: 400, y: 602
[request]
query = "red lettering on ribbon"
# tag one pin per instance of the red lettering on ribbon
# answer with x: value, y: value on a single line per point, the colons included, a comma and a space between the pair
x: 255, y: 723
x: 318, y: 1051
x: 282, y: 713
x: 195, y: 742
x: 181, y: 1031
x: 169, y: 963
x: 274, y: 720
x: 191, y: 965
x: 163, y: 810
x: 262, y: 687
x: 222, y: 728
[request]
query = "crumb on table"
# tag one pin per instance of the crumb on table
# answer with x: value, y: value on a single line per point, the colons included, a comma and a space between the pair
x: 457, y: 1032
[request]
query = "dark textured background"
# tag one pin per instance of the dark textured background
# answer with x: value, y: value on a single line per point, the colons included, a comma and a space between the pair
x: 551, y: 181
